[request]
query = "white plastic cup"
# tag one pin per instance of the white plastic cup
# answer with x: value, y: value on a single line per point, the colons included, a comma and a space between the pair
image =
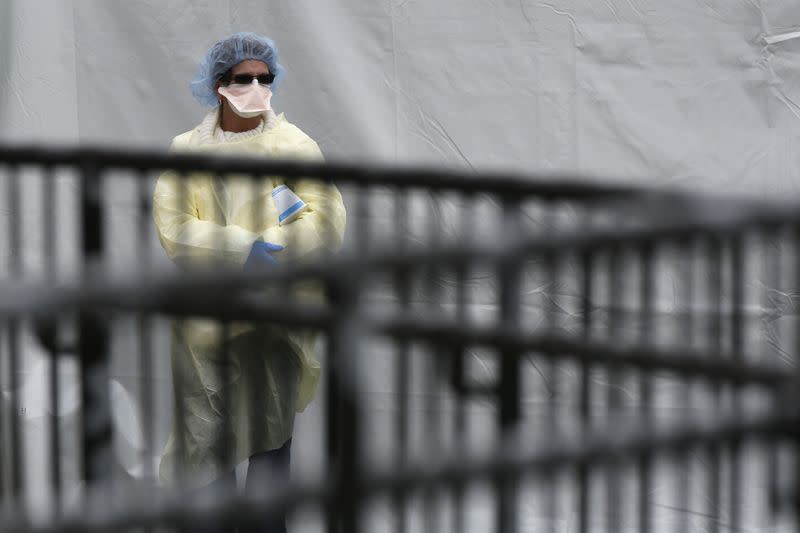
x: 287, y: 203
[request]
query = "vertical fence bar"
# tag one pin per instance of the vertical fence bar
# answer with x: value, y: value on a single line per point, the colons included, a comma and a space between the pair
x: 223, y: 485
x: 737, y: 351
x: 341, y: 429
x: 794, y: 409
x: 333, y: 419
x: 510, y: 273
x: 291, y: 237
x: 551, y: 263
x: 551, y: 479
x: 180, y: 327
x: 5, y: 493
x: 683, y: 455
x: 228, y: 440
x: 144, y: 325
x: 50, y: 206
x: 614, y: 392
x: 344, y: 423
x: 226, y: 358
x: 402, y: 378
x: 588, y: 262
x: 18, y: 455
x: 457, y: 369
x: 433, y: 367
x: 715, y: 259
x: 93, y: 340
x: 644, y: 462
x: 402, y: 368
x: 362, y: 233
x: 772, y: 267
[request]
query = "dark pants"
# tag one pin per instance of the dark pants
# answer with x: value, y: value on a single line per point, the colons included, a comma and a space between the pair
x: 269, y: 468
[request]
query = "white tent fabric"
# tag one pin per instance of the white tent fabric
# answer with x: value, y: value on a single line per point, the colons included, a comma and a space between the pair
x: 685, y: 92
x: 681, y: 93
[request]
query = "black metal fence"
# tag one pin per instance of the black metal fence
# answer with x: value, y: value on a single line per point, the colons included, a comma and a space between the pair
x: 548, y: 354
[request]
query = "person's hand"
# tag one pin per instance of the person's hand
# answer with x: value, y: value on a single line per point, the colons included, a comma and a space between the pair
x: 261, y: 256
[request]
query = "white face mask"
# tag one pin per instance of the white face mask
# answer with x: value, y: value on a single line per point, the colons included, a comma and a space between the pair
x: 249, y: 100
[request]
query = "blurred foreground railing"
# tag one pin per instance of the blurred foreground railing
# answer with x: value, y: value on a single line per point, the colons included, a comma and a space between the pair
x: 625, y: 340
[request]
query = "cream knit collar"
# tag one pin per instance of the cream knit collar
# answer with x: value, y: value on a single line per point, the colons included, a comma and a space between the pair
x: 211, y: 133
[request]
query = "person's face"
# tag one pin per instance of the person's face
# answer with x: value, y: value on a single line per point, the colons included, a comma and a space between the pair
x: 250, y: 67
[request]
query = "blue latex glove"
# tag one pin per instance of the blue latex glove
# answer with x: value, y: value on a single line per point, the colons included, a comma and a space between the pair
x: 261, y: 256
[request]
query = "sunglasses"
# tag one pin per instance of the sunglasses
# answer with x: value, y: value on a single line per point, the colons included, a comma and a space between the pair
x: 246, y: 79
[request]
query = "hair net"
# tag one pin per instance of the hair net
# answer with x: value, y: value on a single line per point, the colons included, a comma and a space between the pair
x: 230, y: 52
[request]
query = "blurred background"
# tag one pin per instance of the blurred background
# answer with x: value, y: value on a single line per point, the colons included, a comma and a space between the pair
x: 686, y: 93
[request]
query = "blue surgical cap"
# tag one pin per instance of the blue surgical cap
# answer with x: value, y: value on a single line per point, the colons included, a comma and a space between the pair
x: 228, y: 53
